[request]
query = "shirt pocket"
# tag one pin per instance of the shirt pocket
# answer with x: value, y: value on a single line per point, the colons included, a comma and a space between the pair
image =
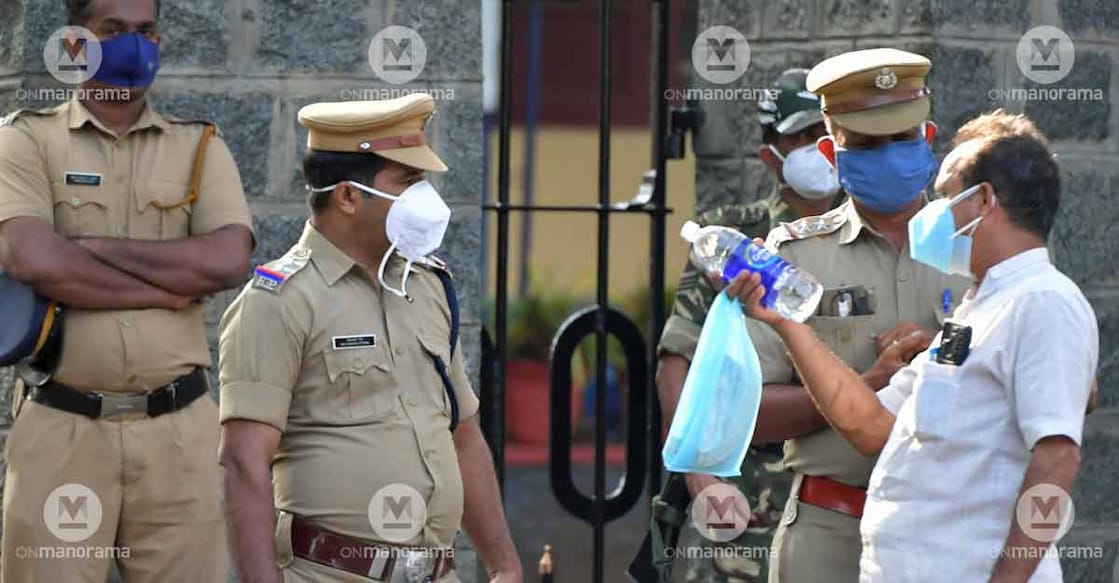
x: 851, y: 338
x: 361, y: 384
x: 438, y: 350
x: 162, y: 209
x: 935, y: 394
x: 81, y: 211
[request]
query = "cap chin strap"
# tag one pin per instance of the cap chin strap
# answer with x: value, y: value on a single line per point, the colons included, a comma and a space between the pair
x: 403, y: 291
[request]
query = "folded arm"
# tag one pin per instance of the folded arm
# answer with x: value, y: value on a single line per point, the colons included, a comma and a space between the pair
x: 193, y: 266
x: 58, y: 269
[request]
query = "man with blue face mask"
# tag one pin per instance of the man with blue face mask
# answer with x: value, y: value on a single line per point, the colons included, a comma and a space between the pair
x: 980, y: 435
x: 878, y: 307
x: 128, y: 219
x: 351, y: 441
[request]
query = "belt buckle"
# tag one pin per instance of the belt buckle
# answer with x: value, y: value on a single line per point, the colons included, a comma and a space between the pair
x: 114, y: 405
x: 170, y: 391
x: 419, y: 565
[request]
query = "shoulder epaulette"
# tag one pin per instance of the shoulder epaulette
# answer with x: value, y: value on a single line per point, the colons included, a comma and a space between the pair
x: 738, y: 216
x: 13, y: 116
x: 183, y: 121
x: 434, y: 262
x: 807, y: 227
x: 272, y: 275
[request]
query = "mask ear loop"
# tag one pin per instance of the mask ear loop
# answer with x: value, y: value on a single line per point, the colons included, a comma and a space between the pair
x: 960, y: 197
x: 381, y: 274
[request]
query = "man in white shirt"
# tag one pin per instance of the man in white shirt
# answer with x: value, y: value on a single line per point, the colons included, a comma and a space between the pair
x: 972, y: 424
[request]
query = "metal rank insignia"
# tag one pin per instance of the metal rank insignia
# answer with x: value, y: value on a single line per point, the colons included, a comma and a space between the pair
x: 886, y: 79
x: 271, y: 276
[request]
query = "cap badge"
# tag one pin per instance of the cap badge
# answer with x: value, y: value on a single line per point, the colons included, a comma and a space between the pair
x: 886, y: 79
x: 364, y: 146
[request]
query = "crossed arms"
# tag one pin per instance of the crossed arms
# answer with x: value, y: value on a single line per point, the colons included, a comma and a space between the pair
x: 121, y: 274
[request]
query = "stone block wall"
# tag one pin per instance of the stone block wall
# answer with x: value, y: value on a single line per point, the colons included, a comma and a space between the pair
x: 972, y: 44
x: 249, y: 65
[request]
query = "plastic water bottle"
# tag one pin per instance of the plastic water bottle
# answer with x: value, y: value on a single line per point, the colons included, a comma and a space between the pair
x: 789, y: 291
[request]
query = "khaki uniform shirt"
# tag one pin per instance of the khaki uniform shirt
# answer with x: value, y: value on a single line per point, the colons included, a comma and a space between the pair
x: 64, y: 166
x: 353, y: 419
x: 840, y: 250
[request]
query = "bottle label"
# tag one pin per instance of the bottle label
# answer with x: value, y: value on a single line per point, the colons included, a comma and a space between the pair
x: 759, y: 258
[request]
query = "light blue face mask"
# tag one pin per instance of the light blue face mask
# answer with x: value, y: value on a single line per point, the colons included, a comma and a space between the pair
x: 934, y: 239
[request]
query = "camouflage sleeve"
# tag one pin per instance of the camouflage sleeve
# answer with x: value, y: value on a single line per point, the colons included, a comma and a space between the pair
x: 694, y: 295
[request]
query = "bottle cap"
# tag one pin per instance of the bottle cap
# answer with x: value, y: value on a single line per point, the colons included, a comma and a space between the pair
x: 689, y: 231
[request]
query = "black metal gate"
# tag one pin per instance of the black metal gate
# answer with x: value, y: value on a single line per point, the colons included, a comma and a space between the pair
x: 642, y: 450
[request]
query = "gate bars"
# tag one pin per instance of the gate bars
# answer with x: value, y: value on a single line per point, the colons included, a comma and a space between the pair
x: 644, y: 420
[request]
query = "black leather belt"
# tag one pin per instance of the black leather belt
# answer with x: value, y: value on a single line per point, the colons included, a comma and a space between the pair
x: 176, y: 395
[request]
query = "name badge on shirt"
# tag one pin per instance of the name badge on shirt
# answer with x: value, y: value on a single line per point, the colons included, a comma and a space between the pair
x: 355, y: 341
x: 83, y: 179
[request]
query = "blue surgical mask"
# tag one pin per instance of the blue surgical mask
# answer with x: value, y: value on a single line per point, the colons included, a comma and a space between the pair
x: 934, y: 239
x: 128, y: 60
x: 887, y: 178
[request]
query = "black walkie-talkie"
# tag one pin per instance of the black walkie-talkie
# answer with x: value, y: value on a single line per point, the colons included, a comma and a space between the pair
x: 955, y: 344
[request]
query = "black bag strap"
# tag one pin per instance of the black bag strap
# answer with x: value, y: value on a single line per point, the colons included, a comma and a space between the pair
x: 440, y: 366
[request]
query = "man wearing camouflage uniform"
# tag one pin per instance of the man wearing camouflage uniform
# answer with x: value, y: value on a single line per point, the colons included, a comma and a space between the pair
x: 791, y: 123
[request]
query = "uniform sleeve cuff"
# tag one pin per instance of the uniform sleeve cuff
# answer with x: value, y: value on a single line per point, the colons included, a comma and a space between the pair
x: 680, y: 337
x: 255, y: 402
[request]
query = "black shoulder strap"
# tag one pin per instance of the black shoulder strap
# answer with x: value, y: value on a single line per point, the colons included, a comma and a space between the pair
x: 440, y: 366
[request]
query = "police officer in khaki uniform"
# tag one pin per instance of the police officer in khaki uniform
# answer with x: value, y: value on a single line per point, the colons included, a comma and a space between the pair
x: 791, y: 122
x: 118, y: 214
x: 350, y: 440
x: 878, y: 303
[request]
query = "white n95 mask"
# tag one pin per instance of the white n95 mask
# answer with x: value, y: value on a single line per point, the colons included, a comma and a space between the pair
x: 415, y: 226
x: 808, y: 172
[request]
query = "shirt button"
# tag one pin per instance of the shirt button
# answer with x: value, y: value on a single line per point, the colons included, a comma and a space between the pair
x: 903, y: 278
x: 399, y: 351
x: 75, y: 201
x: 125, y: 324
x: 358, y: 363
x: 411, y: 401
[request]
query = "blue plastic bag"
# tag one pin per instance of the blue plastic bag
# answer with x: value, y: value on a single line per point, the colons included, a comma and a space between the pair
x: 718, y: 408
